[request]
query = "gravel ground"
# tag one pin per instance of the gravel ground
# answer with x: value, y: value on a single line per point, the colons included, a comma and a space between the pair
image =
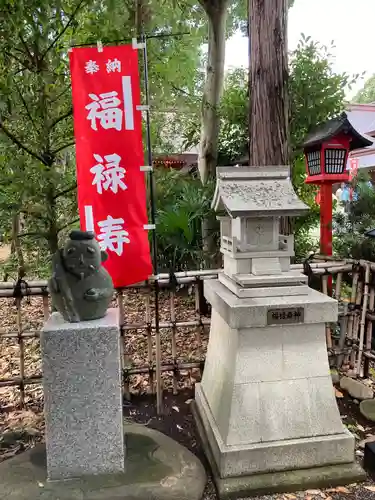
x: 22, y: 429
x: 177, y: 422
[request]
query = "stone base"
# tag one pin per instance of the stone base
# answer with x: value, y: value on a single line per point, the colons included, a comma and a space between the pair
x: 155, y: 467
x: 282, y: 279
x: 249, y: 312
x: 266, y: 402
x: 272, y: 456
x: 262, y: 291
x: 276, y: 482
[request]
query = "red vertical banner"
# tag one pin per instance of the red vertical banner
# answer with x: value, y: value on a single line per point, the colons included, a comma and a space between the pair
x: 109, y: 154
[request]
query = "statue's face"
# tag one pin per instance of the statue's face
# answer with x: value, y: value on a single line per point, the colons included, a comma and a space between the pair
x: 82, y: 257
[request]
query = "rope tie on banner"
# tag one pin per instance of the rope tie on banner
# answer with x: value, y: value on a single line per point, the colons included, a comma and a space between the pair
x: 136, y: 45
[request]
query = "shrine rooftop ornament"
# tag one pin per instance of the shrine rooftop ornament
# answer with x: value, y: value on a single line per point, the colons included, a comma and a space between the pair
x: 326, y: 154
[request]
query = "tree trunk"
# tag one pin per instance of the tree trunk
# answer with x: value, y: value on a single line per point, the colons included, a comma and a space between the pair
x: 268, y: 81
x: 217, y: 15
x: 268, y: 118
x: 207, y: 158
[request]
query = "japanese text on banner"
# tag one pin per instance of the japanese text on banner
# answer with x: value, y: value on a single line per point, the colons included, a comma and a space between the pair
x: 109, y: 154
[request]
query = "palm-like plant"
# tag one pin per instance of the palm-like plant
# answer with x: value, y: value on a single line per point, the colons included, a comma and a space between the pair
x: 181, y: 204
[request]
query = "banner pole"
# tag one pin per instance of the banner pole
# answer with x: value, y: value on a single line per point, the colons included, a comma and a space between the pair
x: 159, y: 392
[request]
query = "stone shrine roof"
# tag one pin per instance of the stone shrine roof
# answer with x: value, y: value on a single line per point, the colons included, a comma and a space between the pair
x: 256, y: 191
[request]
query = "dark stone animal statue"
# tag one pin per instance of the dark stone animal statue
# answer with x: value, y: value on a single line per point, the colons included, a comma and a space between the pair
x: 80, y: 287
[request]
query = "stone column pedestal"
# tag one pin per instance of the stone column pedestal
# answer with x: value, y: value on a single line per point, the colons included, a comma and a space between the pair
x: 265, y: 407
x: 83, y: 397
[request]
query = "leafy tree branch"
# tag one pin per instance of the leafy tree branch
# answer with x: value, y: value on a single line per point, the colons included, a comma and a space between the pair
x: 19, y: 144
x: 62, y: 117
x: 63, y: 31
x: 61, y: 148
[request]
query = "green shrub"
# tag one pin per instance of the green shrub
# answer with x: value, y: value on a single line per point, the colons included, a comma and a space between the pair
x: 181, y: 204
x: 349, y: 229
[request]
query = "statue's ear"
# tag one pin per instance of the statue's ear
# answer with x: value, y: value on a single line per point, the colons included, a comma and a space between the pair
x: 104, y: 256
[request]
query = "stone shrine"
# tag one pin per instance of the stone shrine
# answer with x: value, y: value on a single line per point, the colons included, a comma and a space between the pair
x: 265, y: 408
x: 256, y: 256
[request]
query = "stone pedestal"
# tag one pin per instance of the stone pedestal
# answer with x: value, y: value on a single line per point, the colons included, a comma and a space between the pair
x: 265, y: 409
x: 83, y: 397
x: 266, y: 403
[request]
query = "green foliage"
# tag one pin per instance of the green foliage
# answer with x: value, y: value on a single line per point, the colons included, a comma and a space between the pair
x: 304, y: 244
x: 316, y: 93
x: 233, y: 111
x: 37, y: 161
x: 349, y: 229
x: 182, y: 203
x: 367, y: 93
x: 37, y: 171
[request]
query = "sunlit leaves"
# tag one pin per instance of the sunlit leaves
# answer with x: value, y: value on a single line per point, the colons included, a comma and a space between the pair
x: 367, y: 93
x: 316, y: 91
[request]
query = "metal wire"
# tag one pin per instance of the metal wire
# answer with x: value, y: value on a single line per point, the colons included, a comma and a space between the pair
x: 129, y: 39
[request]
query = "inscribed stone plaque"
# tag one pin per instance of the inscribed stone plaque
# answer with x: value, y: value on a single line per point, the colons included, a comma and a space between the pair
x: 285, y: 316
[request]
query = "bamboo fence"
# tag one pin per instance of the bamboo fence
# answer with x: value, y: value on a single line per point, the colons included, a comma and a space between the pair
x: 349, y: 341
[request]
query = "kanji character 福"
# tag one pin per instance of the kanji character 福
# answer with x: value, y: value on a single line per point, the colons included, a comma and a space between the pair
x: 105, y: 108
x: 108, y: 173
x: 91, y: 67
x: 112, y: 235
x: 113, y: 66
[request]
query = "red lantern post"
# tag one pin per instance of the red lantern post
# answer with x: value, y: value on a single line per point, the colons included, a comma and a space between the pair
x: 326, y: 153
x: 326, y: 219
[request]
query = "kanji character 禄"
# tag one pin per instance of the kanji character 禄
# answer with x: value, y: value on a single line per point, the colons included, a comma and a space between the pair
x: 108, y: 174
